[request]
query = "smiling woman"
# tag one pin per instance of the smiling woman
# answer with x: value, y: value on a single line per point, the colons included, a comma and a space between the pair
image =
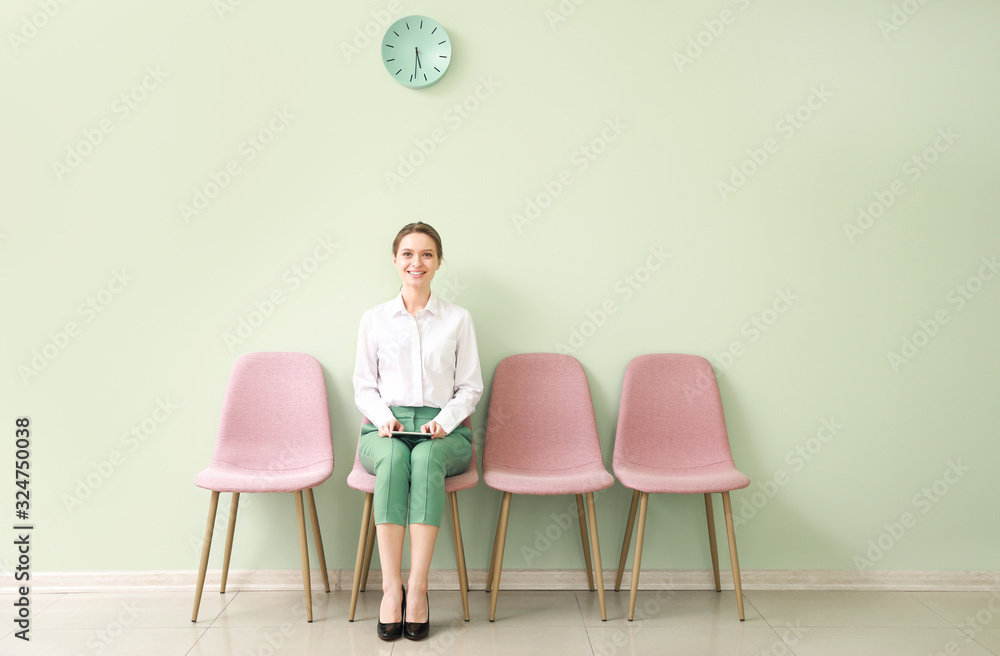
x: 417, y: 370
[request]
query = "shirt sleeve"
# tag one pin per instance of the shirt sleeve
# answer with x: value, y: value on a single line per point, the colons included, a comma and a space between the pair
x: 366, y: 394
x: 468, y: 379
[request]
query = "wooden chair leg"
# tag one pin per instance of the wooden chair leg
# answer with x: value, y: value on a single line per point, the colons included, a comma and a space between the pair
x: 229, y: 540
x: 304, y: 549
x: 493, y: 558
x: 213, y: 506
x: 711, y: 540
x: 637, y: 559
x: 627, y: 539
x: 463, y: 576
x: 596, y: 546
x: 731, y: 531
x: 318, y: 538
x: 366, y: 515
x: 582, y: 517
x: 501, y: 538
x: 369, y: 550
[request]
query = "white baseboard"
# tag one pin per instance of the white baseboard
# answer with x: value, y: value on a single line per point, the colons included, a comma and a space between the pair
x: 759, y: 579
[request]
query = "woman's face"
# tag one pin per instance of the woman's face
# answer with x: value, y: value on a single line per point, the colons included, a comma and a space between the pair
x: 416, y: 260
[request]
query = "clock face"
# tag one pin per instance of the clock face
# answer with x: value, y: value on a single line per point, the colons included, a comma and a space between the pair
x: 416, y: 51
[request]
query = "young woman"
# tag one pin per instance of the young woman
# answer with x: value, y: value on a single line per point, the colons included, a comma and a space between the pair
x: 417, y: 369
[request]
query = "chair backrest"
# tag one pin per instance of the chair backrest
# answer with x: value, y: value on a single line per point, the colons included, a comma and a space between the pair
x: 541, y: 414
x: 671, y: 413
x: 275, y: 414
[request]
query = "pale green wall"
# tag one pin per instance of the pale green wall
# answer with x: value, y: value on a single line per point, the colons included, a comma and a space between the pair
x: 545, y: 89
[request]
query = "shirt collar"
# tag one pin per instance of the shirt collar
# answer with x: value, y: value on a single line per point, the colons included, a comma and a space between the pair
x: 397, y: 307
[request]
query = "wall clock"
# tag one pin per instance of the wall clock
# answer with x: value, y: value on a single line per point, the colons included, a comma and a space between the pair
x: 416, y: 51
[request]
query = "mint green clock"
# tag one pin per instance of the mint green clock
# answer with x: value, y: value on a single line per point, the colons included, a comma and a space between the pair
x: 416, y: 51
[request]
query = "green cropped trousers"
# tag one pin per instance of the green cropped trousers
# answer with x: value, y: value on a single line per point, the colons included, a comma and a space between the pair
x: 410, y: 472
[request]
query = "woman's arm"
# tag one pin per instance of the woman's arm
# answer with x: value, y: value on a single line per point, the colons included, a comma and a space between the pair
x: 468, y: 379
x: 366, y: 394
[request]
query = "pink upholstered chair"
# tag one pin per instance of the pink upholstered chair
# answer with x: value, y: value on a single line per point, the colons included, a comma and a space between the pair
x: 672, y: 438
x: 274, y: 436
x: 360, y: 479
x: 541, y: 438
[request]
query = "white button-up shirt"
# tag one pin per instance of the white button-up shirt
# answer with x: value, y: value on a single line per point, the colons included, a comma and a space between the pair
x: 428, y: 360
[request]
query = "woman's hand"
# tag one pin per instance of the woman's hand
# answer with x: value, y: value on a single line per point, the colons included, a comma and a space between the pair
x: 434, y: 429
x: 392, y: 425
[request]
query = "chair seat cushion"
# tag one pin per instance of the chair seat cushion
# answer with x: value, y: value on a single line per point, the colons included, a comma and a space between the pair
x: 716, y: 477
x: 578, y: 480
x: 227, y: 477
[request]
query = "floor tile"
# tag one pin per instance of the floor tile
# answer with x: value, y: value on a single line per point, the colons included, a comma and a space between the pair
x: 969, y: 611
x: 273, y: 608
x: 685, y: 640
x: 798, y: 623
x: 989, y: 638
x: 533, y: 608
x: 113, y: 642
x: 870, y: 641
x: 113, y: 611
x: 299, y: 638
x: 499, y: 639
x: 39, y: 602
x: 668, y: 608
x: 842, y: 608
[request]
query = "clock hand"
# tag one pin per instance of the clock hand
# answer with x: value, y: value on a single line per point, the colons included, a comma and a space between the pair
x: 417, y: 53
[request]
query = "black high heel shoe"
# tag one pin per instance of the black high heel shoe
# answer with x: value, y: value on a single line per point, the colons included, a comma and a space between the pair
x: 392, y: 630
x: 418, y: 630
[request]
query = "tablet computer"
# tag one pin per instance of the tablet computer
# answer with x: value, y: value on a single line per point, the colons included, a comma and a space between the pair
x: 409, y: 434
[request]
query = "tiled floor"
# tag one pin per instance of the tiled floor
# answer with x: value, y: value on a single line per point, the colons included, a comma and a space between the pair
x: 801, y: 623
